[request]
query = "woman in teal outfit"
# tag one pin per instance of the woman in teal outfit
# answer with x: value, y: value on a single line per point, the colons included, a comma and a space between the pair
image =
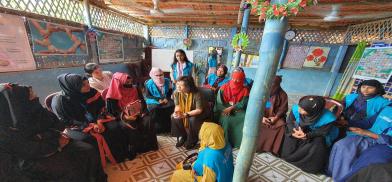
x: 362, y: 108
x: 158, y: 98
x: 181, y: 66
x: 309, y: 132
x: 215, y: 81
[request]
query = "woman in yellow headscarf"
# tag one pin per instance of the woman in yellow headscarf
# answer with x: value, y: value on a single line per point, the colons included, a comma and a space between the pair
x: 215, y: 159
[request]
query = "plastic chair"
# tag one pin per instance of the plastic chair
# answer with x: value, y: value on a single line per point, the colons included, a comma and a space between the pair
x: 48, y: 101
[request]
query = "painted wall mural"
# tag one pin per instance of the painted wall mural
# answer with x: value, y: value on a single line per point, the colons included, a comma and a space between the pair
x: 54, y: 39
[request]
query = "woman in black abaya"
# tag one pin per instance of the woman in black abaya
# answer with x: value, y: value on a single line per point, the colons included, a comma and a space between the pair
x: 32, y: 147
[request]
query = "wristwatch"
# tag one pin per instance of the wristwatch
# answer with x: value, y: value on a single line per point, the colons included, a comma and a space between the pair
x: 186, y: 115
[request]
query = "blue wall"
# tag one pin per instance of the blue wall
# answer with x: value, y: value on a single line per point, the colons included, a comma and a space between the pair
x: 44, y: 81
x: 199, y: 47
x: 307, y: 81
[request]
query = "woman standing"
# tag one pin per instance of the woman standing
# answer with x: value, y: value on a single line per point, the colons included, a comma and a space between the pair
x: 309, y: 133
x: 274, y: 120
x: 181, y: 66
x: 189, y: 113
x: 230, y: 107
x: 121, y: 94
x: 212, y: 62
x: 158, y: 98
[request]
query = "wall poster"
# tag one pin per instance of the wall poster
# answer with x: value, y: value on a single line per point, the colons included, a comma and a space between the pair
x: 317, y: 56
x: 110, y: 47
x: 15, y: 50
x: 375, y: 63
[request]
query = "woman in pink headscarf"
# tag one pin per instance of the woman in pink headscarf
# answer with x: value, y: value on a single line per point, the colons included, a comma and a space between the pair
x: 159, y: 103
x: 121, y: 98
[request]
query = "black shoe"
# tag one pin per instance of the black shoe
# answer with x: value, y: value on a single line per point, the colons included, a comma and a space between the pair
x: 180, y: 142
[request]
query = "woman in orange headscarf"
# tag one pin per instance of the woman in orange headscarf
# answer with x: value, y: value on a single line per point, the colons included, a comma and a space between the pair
x: 230, y: 107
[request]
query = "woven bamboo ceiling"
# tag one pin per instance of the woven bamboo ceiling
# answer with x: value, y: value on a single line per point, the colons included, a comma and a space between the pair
x: 225, y: 12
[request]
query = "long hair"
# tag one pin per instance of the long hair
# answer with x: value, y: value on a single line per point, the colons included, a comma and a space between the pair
x: 175, y: 61
x: 189, y: 83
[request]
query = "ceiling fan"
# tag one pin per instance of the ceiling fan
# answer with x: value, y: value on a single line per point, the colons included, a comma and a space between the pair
x: 334, y: 15
x: 154, y: 11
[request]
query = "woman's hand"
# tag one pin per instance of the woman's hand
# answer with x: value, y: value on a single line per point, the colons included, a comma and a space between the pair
x: 266, y: 121
x: 63, y: 140
x: 178, y: 115
x: 228, y: 111
x: 298, y: 133
x: 273, y: 120
x: 363, y: 132
x: 163, y: 101
x: 99, y: 128
x: 342, y: 121
x: 130, y: 118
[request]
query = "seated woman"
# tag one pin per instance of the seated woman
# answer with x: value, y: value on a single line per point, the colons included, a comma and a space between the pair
x: 158, y: 98
x: 80, y: 108
x: 215, y: 81
x: 274, y: 120
x: 348, y: 153
x: 230, y: 107
x: 98, y: 79
x: 308, y: 134
x: 248, y: 81
x: 362, y: 108
x: 214, y: 161
x: 189, y: 112
x: 121, y: 94
x: 33, y: 147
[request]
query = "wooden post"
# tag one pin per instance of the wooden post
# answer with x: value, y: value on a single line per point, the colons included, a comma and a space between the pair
x: 244, y: 29
x: 270, y: 51
x: 88, y: 22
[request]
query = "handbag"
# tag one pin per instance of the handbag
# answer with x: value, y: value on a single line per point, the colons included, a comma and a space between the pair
x: 186, y: 164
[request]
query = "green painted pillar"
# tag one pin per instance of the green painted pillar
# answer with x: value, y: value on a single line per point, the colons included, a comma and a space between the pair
x: 270, y: 51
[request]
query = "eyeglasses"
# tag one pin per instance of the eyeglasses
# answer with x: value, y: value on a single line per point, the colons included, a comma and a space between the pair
x: 159, y: 75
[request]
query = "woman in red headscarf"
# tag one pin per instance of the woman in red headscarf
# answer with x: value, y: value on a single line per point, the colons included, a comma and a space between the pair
x: 122, y: 101
x: 230, y: 107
